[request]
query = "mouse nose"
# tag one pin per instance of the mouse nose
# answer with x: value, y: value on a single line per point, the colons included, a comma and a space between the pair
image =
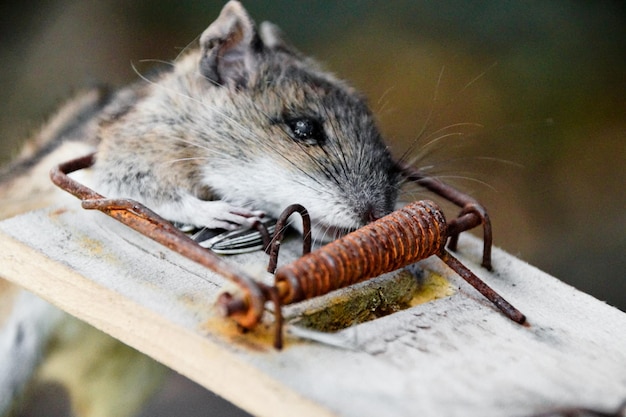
x: 372, y: 213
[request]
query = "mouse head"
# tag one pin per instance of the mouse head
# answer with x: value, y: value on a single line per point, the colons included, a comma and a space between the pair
x: 296, y: 134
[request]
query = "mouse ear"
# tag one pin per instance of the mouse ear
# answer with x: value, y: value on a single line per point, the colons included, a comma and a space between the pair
x: 229, y: 46
x: 272, y: 38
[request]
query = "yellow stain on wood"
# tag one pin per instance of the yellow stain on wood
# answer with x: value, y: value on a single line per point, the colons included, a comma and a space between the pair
x: 398, y: 292
x: 433, y: 287
x: 260, y: 339
x: 342, y: 309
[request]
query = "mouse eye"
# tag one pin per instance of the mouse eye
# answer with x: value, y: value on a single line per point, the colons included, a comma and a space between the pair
x: 306, y: 130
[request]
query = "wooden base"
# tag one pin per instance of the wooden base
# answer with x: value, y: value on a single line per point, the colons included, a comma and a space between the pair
x: 455, y: 355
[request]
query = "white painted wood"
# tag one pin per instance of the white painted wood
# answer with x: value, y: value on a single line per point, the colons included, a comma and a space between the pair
x: 456, y: 356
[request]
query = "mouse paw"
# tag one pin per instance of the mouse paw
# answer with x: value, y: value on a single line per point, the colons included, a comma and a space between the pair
x: 222, y: 215
x: 214, y: 214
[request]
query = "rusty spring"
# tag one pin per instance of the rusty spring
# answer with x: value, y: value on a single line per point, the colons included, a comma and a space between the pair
x: 411, y: 233
x: 405, y: 236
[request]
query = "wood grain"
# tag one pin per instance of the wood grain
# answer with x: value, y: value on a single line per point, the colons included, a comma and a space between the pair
x: 455, y: 355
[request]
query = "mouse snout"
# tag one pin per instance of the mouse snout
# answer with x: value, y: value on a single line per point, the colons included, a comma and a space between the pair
x: 371, y: 212
x: 375, y: 205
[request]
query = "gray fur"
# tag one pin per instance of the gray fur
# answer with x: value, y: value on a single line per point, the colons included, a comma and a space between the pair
x: 216, y: 127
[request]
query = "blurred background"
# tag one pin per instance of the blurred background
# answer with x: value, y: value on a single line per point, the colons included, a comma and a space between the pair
x: 521, y: 104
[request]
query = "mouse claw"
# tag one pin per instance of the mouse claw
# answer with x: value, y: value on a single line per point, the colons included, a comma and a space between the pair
x: 222, y: 215
x: 254, y: 215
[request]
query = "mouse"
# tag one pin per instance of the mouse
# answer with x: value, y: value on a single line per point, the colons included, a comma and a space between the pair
x: 241, y: 126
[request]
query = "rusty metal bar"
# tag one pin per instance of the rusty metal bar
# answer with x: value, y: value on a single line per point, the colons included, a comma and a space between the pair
x: 464, y: 272
x: 281, y: 227
x: 145, y: 221
x: 472, y: 215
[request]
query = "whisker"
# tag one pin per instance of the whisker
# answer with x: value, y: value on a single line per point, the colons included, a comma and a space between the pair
x: 466, y: 178
x: 443, y: 129
x: 214, y: 109
x: 342, y: 153
x: 187, y: 47
x: 381, y: 108
x: 478, y: 77
x: 411, y: 148
x: 428, y: 150
x: 426, y: 123
x: 500, y: 161
x: 157, y: 61
x: 455, y: 160
x: 172, y: 161
x: 329, y: 174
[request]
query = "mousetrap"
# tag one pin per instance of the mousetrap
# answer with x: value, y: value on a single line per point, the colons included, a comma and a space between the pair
x: 410, y: 234
x: 160, y: 303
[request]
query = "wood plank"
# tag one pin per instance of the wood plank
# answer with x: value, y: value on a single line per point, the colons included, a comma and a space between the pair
x: 453, y: 356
